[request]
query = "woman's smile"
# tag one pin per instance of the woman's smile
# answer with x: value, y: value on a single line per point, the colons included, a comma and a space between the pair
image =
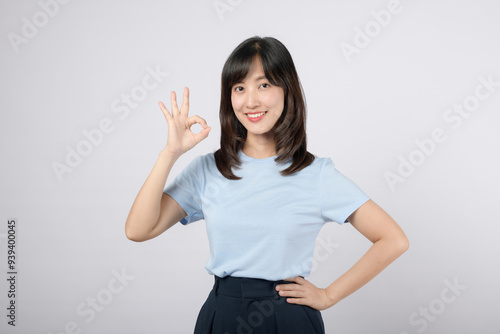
x: 256, y: 116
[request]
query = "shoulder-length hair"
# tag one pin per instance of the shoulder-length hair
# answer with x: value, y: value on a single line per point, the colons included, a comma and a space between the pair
x: 289, y: 130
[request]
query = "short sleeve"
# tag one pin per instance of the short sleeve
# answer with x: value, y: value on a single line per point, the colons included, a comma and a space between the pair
x: 186, y: 190
x: 340, y: 196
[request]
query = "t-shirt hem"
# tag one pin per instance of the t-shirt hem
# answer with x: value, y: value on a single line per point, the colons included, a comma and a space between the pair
x: 183, y: 205
x: 353, y: 207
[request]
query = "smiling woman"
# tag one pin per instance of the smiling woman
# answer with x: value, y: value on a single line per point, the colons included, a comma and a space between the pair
x: 258, y: 105
x: 259, y: 76
x: 263, y: 222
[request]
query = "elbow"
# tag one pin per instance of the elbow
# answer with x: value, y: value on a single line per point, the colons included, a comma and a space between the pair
x: 402, y: 243
x: 396, y: 245
x: 133, y: 236
x: 133, y: 230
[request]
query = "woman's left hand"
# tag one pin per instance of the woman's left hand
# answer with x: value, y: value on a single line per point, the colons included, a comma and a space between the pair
x: 304, y: 292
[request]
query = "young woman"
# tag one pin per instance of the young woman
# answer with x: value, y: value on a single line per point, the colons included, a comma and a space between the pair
x: 264, y: 199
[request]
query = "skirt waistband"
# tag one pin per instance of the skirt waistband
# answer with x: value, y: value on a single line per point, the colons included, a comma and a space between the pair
x: 245, y: 287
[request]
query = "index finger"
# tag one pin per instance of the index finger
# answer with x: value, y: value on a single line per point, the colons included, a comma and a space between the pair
x: 164, y: 110
x: 296, y: 279
x: 185, y: 101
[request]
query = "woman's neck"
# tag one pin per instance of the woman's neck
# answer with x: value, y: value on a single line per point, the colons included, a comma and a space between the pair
x: 259, y: 147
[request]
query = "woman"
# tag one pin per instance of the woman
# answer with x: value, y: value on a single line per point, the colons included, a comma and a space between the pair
x: 264, y: 199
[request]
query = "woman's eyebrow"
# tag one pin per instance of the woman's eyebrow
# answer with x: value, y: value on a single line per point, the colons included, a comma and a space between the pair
x: 262, y: 77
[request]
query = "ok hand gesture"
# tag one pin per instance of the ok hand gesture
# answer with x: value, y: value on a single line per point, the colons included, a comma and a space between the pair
x: 180, y: 137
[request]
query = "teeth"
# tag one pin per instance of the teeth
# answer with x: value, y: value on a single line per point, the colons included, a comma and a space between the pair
x: 255, y: 115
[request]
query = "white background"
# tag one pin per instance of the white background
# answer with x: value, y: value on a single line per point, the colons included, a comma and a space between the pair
x: 366, y: 111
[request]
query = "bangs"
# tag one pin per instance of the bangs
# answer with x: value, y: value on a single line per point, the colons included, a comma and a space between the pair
x: 289, y: 130
x: 236, y: 70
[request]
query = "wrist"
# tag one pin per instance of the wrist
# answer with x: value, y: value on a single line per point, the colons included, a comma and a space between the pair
x: 331, y: 296
x: 166, y: 154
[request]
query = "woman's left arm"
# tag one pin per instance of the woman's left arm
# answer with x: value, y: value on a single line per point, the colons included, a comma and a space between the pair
x: 389, y: 242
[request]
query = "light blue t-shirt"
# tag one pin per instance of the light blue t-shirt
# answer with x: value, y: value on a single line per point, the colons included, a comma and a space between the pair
x: 264, y: 225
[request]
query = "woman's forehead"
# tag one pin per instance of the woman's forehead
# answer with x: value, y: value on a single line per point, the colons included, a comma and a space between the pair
x: 256, y: 71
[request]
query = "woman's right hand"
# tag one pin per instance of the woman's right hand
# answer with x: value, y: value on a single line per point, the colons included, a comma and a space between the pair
x: 180, y: 137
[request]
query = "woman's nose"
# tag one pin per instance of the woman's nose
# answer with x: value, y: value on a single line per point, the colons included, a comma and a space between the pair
x: 252, y: 100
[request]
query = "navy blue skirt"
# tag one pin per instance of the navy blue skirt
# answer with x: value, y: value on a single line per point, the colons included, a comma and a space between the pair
x: 240, y: 305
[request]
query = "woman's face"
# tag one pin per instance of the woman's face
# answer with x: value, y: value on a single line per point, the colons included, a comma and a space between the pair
x: 256, y: 103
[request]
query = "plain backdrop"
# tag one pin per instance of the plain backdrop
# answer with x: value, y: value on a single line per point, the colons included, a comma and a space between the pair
x: 384, y: 81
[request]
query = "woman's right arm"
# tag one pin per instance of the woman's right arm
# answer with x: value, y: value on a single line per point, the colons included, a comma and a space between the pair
x: 153, y: 212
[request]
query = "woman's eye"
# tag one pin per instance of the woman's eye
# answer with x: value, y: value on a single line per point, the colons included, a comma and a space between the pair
x: 238, y: 88
x: 265, y: 85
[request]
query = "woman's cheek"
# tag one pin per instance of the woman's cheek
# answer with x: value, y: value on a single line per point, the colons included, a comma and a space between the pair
x: 237, y: 105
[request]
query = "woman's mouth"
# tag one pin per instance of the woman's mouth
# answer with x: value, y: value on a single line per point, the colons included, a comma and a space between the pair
x: 256, y: 116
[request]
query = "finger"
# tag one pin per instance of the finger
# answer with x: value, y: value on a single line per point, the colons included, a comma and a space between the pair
x: 287, y: 292
x: 165, y: 111
x: 197, y: 119
x: 292, y: 279
x: 292, y: 293
x: 173, y: 101
x: 299, y: 301
x: 185, y: 102
x: 202, y: 134
x: 290, y: 287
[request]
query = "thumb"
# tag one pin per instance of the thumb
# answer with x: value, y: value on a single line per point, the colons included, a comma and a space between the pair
x: 202, y: 134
